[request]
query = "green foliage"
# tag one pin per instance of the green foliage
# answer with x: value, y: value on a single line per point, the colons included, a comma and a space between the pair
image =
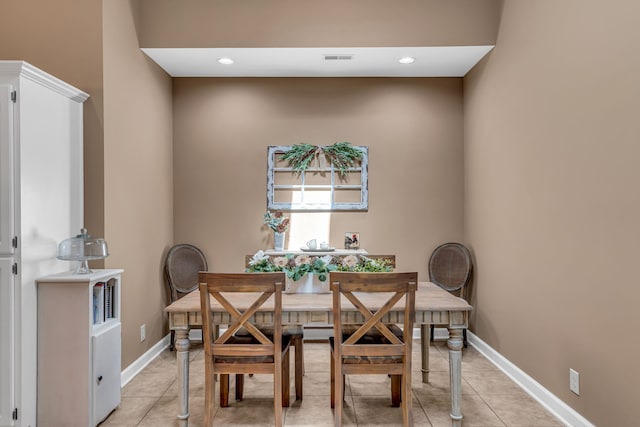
x: 368, y: 265
x: 276, y: 221
x: 341, y: 154
x: 300, y: 156
x: 296, y: 266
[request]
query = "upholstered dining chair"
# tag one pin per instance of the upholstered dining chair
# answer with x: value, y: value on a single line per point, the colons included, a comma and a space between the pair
x: 451, y: 268
x: 253, y: 353
x: 373, y: 347
x: 181, y: 267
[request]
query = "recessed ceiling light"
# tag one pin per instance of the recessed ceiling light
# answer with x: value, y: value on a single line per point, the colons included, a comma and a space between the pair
x: 407, y: 60
x: 225, y: 61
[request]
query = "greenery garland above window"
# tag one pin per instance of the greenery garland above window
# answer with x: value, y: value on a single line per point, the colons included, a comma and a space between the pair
x: 341, y: 154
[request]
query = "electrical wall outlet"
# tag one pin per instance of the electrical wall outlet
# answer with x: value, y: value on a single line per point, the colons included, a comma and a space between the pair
x: 143, y: 333
x: 574, y: 381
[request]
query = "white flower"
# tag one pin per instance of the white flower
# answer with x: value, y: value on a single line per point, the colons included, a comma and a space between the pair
x: 280, y: 261
x: 258, y: 257
x: 302, y: 259
x: 350, y: 261
x: 326, y: 259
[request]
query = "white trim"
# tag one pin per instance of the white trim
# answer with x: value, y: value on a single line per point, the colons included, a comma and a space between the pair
x: 551, y: 402
x: 139, y: 364
x: 26, y: 70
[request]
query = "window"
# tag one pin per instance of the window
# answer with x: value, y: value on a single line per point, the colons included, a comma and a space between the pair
x: 318, y: 188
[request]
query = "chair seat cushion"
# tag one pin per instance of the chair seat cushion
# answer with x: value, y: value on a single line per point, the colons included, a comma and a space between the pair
x: 248, y: 339
x: 373, y: 336
x: 287, y: 331
x: 292, y: 331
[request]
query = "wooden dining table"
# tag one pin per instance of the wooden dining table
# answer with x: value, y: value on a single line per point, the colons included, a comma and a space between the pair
x: 433, y: 306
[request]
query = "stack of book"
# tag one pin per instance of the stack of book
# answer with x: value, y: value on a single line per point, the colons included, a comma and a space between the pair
x: 103, y: 302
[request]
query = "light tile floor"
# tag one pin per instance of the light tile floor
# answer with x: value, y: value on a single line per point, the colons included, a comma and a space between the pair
x: 489, y: 398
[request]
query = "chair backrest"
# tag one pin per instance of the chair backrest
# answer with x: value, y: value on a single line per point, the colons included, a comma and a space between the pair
x: 399, y: 286
x: 256, y: 288
x: 450, y: 267
x: 181, y: 267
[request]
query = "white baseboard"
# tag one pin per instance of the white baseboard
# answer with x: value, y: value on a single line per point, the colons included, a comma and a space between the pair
x: 551, y: 402
x: 440, y: 334
x: 140, y: 363
x: 196, y: 335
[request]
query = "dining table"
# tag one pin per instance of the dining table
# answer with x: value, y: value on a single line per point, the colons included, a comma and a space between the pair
x: 433, y: 306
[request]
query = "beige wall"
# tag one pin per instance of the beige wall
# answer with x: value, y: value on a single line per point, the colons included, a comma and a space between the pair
x: 312, y: 23
x: 138, y: 176
x: 413, y: 128
x: 550, y: 144
x: 552, y: 202
x: 64, y: 39
x: 127, y: 139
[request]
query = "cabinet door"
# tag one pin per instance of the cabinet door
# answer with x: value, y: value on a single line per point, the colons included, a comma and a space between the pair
x: 7, y: 360
x: 6, y: 170
x: 105, y: 348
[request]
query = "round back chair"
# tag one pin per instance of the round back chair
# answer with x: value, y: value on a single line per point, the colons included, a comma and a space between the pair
x: 181, y: 267
x: 182, y: 264
x: 451, y: 268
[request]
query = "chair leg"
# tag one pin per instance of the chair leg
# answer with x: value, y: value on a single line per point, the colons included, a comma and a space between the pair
x: 432, y: 332
x: 339, y: 400
x: 333, y: 382
x: 209, y: 394
x: 344, y: 384
x: 286, y: 380
x: 279, y: 389
x: 224, y: 390
x: 239, y: 386
x: 396, y: 386
x: 407, y: 399
x: 299, y: 365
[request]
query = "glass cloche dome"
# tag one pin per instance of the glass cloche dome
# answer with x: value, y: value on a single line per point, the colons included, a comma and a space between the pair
x: 82, y: 248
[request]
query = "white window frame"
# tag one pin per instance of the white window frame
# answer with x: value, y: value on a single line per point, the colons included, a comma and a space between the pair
x: 335, y: 184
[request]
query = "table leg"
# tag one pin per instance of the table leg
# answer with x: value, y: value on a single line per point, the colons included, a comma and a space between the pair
x: 425, y: 344
x: 455, y: 372
x: 182, y: 345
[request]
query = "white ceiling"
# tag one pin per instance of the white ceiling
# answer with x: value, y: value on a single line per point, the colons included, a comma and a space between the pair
x: 446, y: 61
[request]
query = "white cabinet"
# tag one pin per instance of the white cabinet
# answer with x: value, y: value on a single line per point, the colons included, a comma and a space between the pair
x: 7, y: 362
x: 40, y: 205
x: 7, y: 282
x: 79, y: 347
x: 6, y: 170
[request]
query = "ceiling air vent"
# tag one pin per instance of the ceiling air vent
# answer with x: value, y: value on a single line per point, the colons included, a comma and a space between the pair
x: 338, y: 57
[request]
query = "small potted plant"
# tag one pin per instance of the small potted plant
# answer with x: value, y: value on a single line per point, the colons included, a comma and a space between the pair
x: 279, y: 224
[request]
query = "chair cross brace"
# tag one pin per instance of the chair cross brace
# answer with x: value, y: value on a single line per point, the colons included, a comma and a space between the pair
x: 242, y: 319
x: 373, y: 320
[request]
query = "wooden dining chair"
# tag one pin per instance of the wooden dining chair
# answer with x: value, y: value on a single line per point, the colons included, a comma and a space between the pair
x: 377, y: 345
x: 253, y: 353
